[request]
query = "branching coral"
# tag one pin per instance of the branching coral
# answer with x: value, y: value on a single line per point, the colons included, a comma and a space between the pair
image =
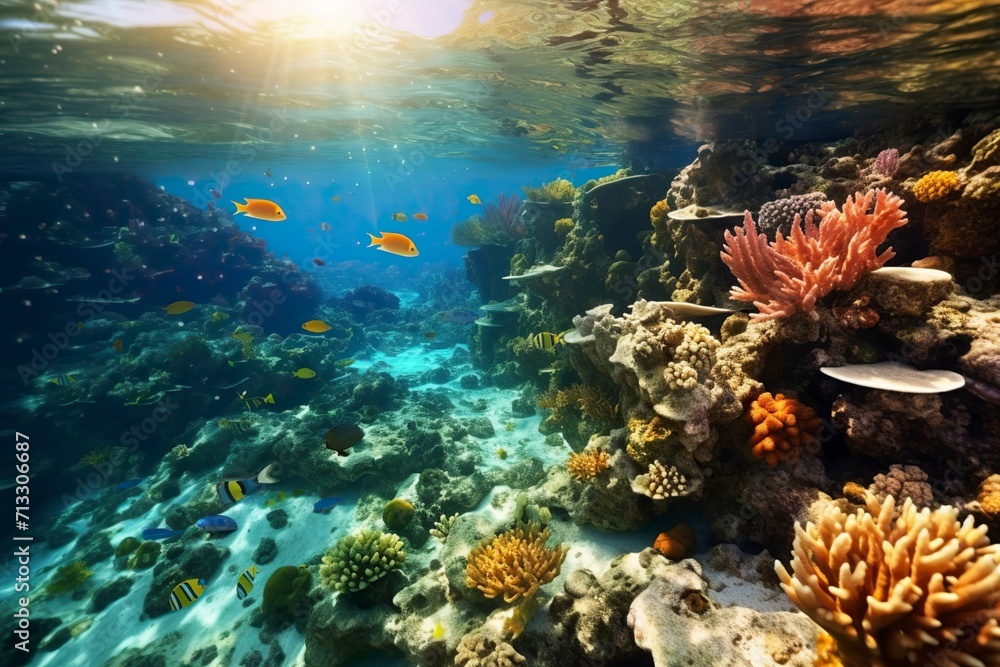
x: 514, y: 564
x: 559, y: 191
x: 95, y: 456
x: 361, y: 559
x: 917, y: 590
x: 782, y: 427
x: 935, y: 185
x: 590, y: 400
x: 646, y: 437
x: 443, y: 526
x: 788, y: 275
x: 498, y: 224
x: 588, y: 464
x: 550, y: 401
x: 693, y: 353
x: 660, y: 482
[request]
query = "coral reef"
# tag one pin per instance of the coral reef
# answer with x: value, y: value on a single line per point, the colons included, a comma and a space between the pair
x: 478, y: 649
x: 559, y: 191
x: 361, y: 559
x: 661, y: 482
x: 893, y: 592
x: 514, y: 564
x: 935, y: 184
x: 816, y: 259
x: 782, y: 428
x: 588, y: 464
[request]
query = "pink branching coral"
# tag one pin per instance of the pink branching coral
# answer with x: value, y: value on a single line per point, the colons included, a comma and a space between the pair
x: 788, y: 275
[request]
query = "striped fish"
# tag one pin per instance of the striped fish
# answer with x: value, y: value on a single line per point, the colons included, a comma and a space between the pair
x: 546, y: 340
x: 245, y: 583
x: 62, y: 380
x: 185, y: 593
x: 235, y: 491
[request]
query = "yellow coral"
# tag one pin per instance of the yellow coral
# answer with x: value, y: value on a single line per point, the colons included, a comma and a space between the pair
x: 658, y: 214
x: 587, y: 465
x: 564, y: 226
x: 590, y: 400
x: 917, y: 590
x: 95, y: 456
x: 935, y: 184
x: 781, y: 428
x: 514, y: 564
x: 645, y: 436
x: 826, y: 651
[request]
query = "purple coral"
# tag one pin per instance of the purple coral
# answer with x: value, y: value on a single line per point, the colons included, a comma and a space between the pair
x: 886, y: 163
x: 504, y: 213
x: 778, y: 215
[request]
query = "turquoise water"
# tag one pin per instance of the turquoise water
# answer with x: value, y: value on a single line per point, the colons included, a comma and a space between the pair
x: 568, y: 331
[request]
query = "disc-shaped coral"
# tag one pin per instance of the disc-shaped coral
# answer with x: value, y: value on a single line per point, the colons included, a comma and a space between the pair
x: 782, y: 427
x: 514, y: 564
x: 917, y: 590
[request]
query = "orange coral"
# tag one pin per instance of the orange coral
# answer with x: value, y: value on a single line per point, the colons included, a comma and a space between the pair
x: 515, y: 563
x: 587, y: 465
x: 781, y: 428
x: 677, y: 543
x: 935, y: 184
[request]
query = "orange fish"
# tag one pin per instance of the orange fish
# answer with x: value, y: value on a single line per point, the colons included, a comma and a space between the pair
x: 316, y: 326
x: 119, y: 345
x: 397, y: 244
x: 422, y: 217
x: 325, y: 226
x: 261, y: 209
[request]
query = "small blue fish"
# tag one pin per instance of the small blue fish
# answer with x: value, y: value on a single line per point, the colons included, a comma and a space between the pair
x: 128, y: 484
x: 160, y: 533
x: 216, y: 524
x: 326, y: 504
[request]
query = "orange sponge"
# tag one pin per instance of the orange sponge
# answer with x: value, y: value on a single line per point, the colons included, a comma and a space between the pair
x: 781, y: 428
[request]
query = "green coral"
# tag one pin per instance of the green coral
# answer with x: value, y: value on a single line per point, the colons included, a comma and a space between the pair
x: 68, y: 578
x: 125, y: 253
x: 559, y: 191
x: 145, y: 556
x: 248, y: 345
x: 285, y: 588
x: 397, y: 514
x: 192, y: 351
x: 620, y: 174
x: 564, y: 226
x: 95, y: 456
x: 361, y: 559
x: 127, y: 546
x: 475, y: 232
x: 519, y: 264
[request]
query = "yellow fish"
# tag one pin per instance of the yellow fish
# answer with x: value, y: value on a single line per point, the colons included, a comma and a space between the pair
x: 396, y: 244
x: 178, y: 307
x: 243, y: 336
x: 262, y: 209
x: 546, y: 340
x: 438, y: 631
x: 245, y: 583
x: 474, y: 199
x: 316, y: 326
x: 335, y: 200
x: 343, y: 363
x: 186, y: 592
x: 399, y: 217
x: 304, y: 373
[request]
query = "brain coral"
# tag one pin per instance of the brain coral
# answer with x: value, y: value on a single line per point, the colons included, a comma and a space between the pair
x: 935, y: 184
x: 917, y: 590
x: 781, y: 428
x: 514, y: 564
x: 360, y: 559
x: 587, y: 465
